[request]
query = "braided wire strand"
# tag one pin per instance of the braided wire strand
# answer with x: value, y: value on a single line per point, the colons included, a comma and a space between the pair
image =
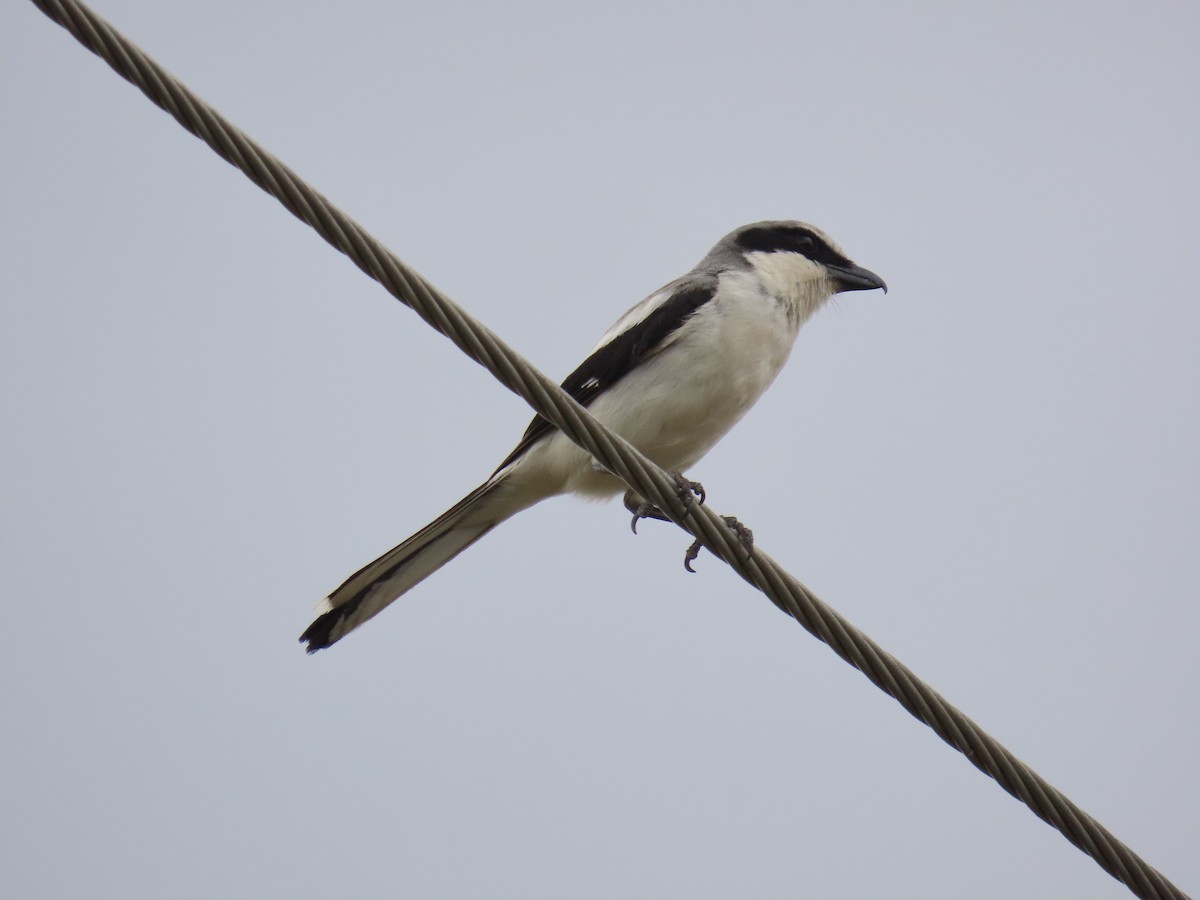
x: 650, y: 481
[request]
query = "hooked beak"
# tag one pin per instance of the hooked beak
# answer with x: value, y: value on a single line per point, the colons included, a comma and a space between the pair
x: 855, y: 278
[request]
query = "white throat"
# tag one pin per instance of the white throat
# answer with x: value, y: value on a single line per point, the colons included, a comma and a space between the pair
x: 797, y: 282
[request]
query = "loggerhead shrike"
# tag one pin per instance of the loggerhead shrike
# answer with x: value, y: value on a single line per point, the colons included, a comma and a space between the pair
x: 672, y: 376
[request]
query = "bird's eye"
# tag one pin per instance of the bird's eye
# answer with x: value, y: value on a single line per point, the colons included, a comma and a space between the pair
x: 779, y: 239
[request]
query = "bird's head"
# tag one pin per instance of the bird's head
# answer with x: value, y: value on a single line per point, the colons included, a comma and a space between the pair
x: 795, y: 262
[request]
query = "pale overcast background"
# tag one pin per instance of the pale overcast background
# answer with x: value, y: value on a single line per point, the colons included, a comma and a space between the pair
x: 211, y: 419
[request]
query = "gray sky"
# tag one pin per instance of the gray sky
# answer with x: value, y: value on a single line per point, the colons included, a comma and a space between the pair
x: 212, y: 419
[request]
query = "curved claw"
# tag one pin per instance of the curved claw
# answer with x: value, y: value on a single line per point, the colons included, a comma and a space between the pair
x: 745, y: 535
x: 687, y: 488
x: 641, y: 510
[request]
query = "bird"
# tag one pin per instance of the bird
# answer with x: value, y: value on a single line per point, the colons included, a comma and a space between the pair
x: 672, y: 376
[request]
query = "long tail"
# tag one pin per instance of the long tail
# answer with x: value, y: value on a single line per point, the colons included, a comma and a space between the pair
x: 375, y: 585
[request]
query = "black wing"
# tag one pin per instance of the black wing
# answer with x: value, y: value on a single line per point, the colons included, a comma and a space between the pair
x: 616, y: 359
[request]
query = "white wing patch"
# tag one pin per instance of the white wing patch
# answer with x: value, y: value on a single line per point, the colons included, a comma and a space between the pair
x: 636, y: 314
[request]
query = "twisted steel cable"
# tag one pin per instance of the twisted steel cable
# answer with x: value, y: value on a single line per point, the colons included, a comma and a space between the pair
x: 650, y: 481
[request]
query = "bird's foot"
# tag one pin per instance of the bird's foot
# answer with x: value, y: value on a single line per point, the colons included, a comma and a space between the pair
x: 744, y: 534
x: 688, y: 488
x: 689, y: 492
x: 642, y: 510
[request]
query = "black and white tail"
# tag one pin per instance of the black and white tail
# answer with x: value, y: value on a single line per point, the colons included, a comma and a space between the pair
x: 375, y: 585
